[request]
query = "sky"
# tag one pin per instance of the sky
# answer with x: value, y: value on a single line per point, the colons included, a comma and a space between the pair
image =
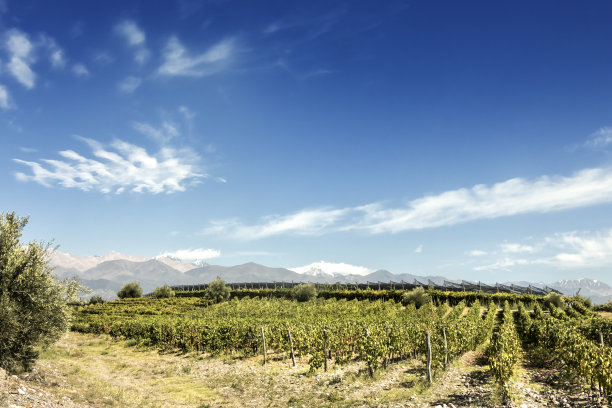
x: 471, y: 140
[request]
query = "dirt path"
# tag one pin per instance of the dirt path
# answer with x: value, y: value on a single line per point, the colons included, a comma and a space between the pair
x: 467, y: 382
x: 541, y: 383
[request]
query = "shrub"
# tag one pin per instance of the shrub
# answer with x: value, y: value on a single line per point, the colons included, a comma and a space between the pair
x: 164, y: 291
x: 95, y: 300
x: 554, y: 298
x: 34, y: 308
x: 417, y: 297
x: 130, y: 290
x: 304, y: 292
x: 217, y: 291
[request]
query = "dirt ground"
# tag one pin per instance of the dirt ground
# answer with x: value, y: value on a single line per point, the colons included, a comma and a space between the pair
x: 95, y: 371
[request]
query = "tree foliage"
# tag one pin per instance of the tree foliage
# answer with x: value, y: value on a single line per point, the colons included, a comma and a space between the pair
x: 94, y: 300
x: 217, y: 291
x: 304, y: 292
x: 164, y: 291
x: 130, y: 290
x: 554, y: 298
x: 34, y: 307
x: 417, y: 297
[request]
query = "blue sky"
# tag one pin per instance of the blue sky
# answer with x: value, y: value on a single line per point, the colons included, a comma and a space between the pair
x: 466, y: 139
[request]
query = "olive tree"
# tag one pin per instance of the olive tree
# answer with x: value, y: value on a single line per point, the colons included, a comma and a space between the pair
x: 163, y: 291
x: 217, y: 290
x: 34, y: 308
x: 417, y: 296
x: 130, y: 290
x: 304, y: 292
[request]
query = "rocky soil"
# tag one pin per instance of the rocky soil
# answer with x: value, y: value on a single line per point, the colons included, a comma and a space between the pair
x: 24, y: 392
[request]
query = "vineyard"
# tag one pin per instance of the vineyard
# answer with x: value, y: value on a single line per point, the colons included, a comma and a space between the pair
x: 332, y: 332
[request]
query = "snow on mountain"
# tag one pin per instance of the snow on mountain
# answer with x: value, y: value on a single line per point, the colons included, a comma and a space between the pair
x: 331, y: 269
x: 63, y: 260
x: 177, y: 263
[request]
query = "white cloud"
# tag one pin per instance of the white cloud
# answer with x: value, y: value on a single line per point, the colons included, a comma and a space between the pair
x: 55, y: 53
x: 476, y: 252
x: 418, y: 249
x: 22, y: 72
x: 514, y: 248
x: 306, y: 222
x: 19, y: 44
x: 80, y: 70
x: 187, y: 113
x: 166, y: 132
x: 512, y: 197
x: 5, y: 98
x: 21, y: 51
x: 567, y: 250
x: 582, y: 250
x: 131, y: 32
x: 23, y: 54
x: 193, y: 254
x: 135, y: 38
x: 601, y: 138
x: 129, y: 84
x: 118, y: 168
x: 178, y: 62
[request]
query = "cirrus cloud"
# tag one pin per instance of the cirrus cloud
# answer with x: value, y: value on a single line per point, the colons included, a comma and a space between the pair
x: 117, y: 168
x: 178, y: 61
x: 516, y: 196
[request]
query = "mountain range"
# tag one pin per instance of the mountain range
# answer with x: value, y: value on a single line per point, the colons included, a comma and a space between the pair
x: 106, y: 274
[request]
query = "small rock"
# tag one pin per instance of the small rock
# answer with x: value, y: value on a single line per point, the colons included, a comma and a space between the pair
x: 20, y: 391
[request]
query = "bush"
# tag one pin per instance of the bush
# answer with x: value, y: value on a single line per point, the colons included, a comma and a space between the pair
x: 34, y: 307
x: 130, y: 290
x: 417, y: 297
x: 554, y: 298
x: 606, y: 307
x: 304, y: 292
x: 164, y: 291
x: 217, y: 291
x: 94, y: 300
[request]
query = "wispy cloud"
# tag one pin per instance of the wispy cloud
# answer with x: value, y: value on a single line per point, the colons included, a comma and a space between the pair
x: 21, y: 56
x: 514, y: 248
x: 117, y: 168
x: 178, y: 61
x: 567, y: 250
x: 135, y: 39
x: 80, y: 70
x: 5, y: 98
x: 512, y: 197
x: 129, y: 84
x: 162, y: 134
x: 601, y: 138
x: 306, y: 222
x: 193, y: 254
x: 476, y: 252
x: 55, y: 53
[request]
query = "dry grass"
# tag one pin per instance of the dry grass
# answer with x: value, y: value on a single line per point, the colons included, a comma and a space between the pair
x: 607, y: 315
x: 100, y: 372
